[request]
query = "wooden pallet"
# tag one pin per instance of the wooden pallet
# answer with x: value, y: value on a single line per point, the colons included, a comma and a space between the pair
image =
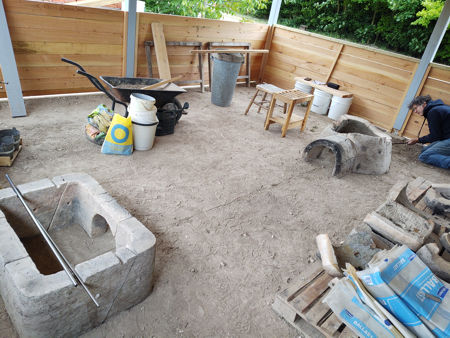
x: 6, y: 161
x: 301, y: 306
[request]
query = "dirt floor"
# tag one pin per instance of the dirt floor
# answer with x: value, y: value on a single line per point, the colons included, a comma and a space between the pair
x: 234, y: 208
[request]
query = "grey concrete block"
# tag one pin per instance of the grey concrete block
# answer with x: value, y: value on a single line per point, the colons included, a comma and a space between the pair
x: 86, y: 180
x: 36, y: 186
x: 134, y: 236
x: 114, y: 213
x: 139, y: 279
x: 358, y: 248
x: 11, y: 249
x: 7, y: 193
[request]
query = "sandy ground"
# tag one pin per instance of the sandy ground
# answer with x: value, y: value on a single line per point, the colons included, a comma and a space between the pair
x: 234, y: 208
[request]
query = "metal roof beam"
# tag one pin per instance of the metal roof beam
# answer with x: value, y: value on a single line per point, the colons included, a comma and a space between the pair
x: 274, y: 12
x: 427, y: 57
x: 130, y: 7
x: 9, y: 69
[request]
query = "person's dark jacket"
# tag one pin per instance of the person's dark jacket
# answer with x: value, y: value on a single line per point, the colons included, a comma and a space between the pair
x: 438, y: 116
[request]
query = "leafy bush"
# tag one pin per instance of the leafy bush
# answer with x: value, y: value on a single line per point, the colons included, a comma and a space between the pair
x: 403, y: 26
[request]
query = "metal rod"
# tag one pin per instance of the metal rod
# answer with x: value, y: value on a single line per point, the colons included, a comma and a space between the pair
x: 71, y: 272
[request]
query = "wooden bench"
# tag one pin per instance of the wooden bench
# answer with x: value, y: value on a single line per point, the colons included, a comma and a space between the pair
x: 325, y: 88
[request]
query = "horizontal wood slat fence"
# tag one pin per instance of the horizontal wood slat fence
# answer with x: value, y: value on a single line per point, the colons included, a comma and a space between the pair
x: 43, y: 32
x: 378, y: 80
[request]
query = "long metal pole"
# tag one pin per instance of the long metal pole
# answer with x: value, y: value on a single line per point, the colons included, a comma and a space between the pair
x: 71, y: 272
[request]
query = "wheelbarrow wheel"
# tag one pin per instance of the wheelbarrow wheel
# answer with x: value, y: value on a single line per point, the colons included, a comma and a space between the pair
x: 179, y: 108
x: 174, y: 106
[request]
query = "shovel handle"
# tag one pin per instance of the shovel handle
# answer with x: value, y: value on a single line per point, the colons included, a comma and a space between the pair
x: 163, y: 82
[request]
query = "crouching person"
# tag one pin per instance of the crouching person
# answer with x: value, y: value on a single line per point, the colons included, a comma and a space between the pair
x: 438, y: 116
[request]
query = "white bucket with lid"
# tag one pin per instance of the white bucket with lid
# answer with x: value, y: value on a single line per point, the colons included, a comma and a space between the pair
x: 321, y: 102
x: 143, y: 116
x: 339, y: 106
x: 142, y: 108
x: 303, y: 87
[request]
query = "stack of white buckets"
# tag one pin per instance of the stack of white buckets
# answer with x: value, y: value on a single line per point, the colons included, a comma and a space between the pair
x: 143, y: 116
x: 339, y: 105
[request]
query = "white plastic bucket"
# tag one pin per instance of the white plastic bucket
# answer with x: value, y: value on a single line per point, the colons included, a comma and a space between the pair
x: 143, y: 116
x: 144, y: 135
x: 303, y: 87
x: 142, y: 108
x: 140, y: 101
x: 339, y: 106
x: 321, y: 102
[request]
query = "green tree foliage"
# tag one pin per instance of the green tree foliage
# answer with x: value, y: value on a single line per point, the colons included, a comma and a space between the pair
x: 403, y: 26
x: 430, y: 13
x: 205, y: 8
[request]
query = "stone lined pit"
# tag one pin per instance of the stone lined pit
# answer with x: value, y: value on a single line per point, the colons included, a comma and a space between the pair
x: 111, y: 250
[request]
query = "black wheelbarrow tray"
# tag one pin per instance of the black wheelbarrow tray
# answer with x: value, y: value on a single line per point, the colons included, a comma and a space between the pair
x: 120, y: 88
x: 123, y: 87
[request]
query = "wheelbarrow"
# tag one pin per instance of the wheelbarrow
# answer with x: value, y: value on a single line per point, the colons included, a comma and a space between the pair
x: 120, y: 89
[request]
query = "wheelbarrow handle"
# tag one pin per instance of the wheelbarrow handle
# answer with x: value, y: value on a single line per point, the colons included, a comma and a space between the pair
x: 73, y: 63
x: 97, y: 84
x: 94, y: 81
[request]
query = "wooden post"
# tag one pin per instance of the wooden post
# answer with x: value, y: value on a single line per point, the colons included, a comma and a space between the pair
x: 161, y: 50
x: 136, y: 45
x: 125, y: 43
x: 422, y: 83
x: 265, y: 57
x: 338, y: 54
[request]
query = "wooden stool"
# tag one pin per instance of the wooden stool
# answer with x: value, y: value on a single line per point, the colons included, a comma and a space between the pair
x: 267, y: 89
x: 290, y: 97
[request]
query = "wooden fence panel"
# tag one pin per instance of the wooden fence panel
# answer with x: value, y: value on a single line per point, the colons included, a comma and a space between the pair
x: 42, y: 33
x: 179, y: 28
x: 377, y: 79
x: 296, y: 54
x: 437, y: 85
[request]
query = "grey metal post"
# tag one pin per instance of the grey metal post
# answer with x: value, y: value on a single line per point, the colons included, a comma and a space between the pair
x: 9, y: 69
x: 274, y: 12
x: 427, y: 57
x: 130, y: 7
